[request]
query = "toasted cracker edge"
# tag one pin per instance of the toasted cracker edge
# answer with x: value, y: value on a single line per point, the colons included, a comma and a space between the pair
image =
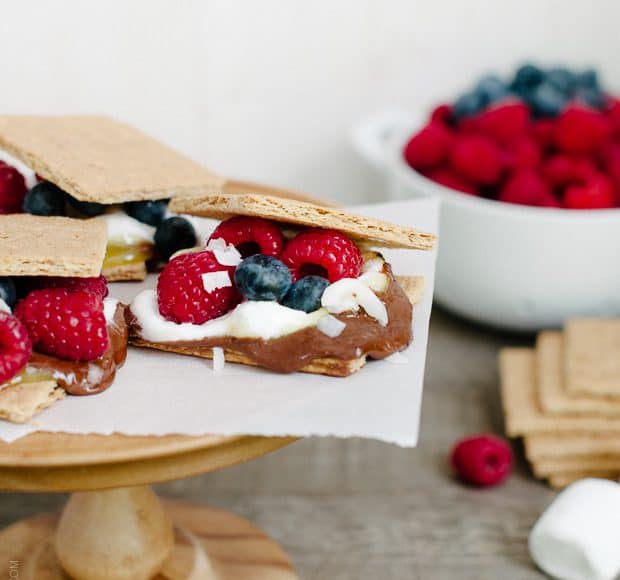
x: 19, y: 403
x: 298, y: 212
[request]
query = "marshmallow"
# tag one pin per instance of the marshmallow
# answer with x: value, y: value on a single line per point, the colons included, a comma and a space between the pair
x: 578, y: 536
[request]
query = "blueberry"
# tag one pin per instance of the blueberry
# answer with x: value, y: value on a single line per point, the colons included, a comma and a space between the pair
x: 86, y: 208
x: 562, y: 79
x: 7, y: 292
x: 546, y: 100
x: 491, y: 88
x: 261, y: 277
x: 527, y: 77
x: 174, y: 234
x: 306, y: 293
x: 467, y: 105
x: 592, y: 97
x: 588, y: 79
x: 45, y: 198
x: 147, y: 212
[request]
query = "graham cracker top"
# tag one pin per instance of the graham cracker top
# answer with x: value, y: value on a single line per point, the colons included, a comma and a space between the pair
x: 377, y: 232
x: 51, y: 246
x: 94, y: 158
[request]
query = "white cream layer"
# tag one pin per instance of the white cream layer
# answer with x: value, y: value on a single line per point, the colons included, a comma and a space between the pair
x: 250, y: 319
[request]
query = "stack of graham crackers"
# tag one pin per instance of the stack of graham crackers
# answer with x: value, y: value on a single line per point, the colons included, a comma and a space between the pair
x: 563, y: 398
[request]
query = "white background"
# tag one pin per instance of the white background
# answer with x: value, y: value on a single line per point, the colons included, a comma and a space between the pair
x: 269, y: 90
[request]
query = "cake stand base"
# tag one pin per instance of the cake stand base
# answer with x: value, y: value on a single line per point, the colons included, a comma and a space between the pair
x: 128, y: 533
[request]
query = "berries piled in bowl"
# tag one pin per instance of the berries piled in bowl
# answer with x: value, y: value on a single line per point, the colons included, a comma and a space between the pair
x: 546, y: 138
x: 527, y: 170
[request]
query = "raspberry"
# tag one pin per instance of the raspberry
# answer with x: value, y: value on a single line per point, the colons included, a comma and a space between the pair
x: 482, y: 460
x: 97, y: 285
x: 450, y: 179
x: 525, y: 187
x: 442, y: 114
x: 326, y: 253
x: 251, y: 235
x: 429, y: 148
x: 580, y: 130
x: 469, y: 125
x: 15, y: 346
x: 523, y: 153
x: 477, y: 159
x: 12, y: 189
x: 181, y: 293
x: 597, y: 193
x: 506, y: 122
x: 613, y: 113
x: 69, y: 325
x: 558, y: 170
x: 543, y: 131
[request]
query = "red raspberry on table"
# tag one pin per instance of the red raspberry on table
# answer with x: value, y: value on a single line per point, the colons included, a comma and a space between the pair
x: 469, y: 125
x: 15, y: 346
x: 98, y: 285
x: 447, y: 178
x: 428, y: 148
x: 12, y: 189
x: 69, y: 325
x: 181, y: 293
x: 613, y: 113
x: 581, y: 131
x: 523, y: 153
x: 505, y: 122
x: 326, y: 253
x: 477, y: 159
x: 525, y: 187
x: 482, y: 460
x: 597, y: 193
x: 250, y: 235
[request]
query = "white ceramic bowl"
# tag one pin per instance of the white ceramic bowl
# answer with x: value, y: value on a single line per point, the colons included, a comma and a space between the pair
x: 514, y: 267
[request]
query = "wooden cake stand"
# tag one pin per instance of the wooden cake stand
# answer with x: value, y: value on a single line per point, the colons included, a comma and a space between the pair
x: 115, y: 528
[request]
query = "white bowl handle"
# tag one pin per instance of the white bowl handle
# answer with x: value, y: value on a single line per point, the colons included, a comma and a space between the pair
x: 372, y: 137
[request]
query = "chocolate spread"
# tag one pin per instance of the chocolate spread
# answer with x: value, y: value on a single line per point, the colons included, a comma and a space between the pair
x: 362, y: 335
x: 89, y: 377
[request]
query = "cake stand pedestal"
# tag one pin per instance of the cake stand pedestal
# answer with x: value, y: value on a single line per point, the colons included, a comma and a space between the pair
x: 114, y: 527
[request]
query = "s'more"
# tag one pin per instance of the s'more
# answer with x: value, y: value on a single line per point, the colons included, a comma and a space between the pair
x: 60, y: 333
x: 282, y: 284
x: 87, y: 166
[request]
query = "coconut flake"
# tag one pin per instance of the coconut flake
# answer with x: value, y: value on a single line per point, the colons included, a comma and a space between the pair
x: 213, y: 280
x: 331, y: 326
x: 225, y: 254
x: 219, y: 359
x: 348, y: 294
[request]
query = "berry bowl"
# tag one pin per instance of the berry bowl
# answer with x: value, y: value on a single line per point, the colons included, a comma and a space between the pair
x: 516, y: 267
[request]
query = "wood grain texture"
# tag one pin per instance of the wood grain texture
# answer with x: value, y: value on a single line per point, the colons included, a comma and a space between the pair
x: 362, y: 510
x: 235, y: 548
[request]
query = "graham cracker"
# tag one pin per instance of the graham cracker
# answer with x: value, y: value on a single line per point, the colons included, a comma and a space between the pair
x: 333, y: 367
x: 549, y: 445
x: 546, y: 467
x: 554, y: 398
x: 126, y: 273
x: 592, y: 356
x: 95, y: 158
x: 561, y: 480
x: 522, y: 411
x: 51, y: 246
x: 379, y: 233
x: 19, y: 403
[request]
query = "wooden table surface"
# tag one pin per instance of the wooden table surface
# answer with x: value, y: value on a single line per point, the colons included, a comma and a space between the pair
x: 364, y: 510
